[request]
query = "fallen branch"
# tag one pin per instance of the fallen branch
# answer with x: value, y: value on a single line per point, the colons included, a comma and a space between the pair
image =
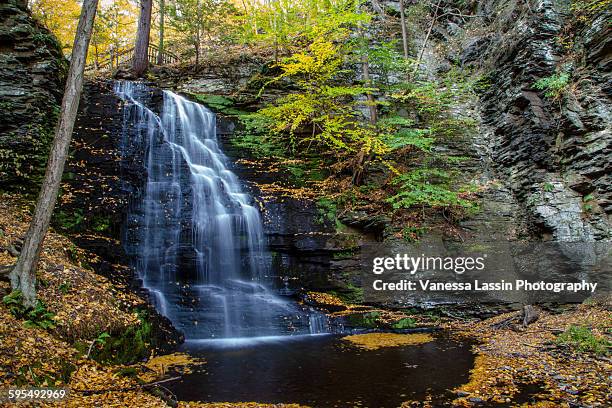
x: 504, y: 323
x: 136, y: 387
x: 90, y: 347
x: 454, y: 316
x: 433, y: 22
x: 531, y: 345
x: 13, y: 251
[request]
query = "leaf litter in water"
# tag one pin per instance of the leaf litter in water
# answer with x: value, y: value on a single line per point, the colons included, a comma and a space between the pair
x: 375, y: 341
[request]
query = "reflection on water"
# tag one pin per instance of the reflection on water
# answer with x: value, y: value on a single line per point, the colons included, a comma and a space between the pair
x: 323, y: 371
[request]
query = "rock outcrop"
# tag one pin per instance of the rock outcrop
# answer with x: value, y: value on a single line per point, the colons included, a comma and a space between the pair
x: 32, y: 70
x: 552, y: 150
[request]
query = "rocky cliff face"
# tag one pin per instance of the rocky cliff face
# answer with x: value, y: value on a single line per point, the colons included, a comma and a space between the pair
x: 32, y: 69
x: 551, y: 148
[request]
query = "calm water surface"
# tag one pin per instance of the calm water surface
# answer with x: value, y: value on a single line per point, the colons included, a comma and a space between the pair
x: 323, y: 371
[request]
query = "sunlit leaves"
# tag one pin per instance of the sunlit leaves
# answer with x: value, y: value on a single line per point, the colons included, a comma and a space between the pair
x: 288, y: 25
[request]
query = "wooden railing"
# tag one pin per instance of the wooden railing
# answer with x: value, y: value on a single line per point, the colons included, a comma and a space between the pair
x: 125, y: 56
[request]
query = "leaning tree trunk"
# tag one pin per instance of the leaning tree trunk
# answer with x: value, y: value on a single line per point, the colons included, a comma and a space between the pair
x: 160, y: 48
x: 23, y: 276
x: 140, y: 62
x: 424, y: 46
x: 404, y: 29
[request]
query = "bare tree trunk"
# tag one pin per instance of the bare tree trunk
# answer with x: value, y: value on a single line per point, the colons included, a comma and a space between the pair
x: 162, y: 15
x: 433, y: 21
x: 197, y: 50
x: 404, y: 29
x: 365, y: 66
x: 140, y: 63
x: 23, y: 276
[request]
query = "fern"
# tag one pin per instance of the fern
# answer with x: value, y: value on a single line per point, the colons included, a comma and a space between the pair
x: 554, y: 85
x: 410, y: 137
x: 426, y: 186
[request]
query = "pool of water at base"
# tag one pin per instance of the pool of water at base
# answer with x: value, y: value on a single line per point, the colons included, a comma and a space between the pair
x: 322, y: 371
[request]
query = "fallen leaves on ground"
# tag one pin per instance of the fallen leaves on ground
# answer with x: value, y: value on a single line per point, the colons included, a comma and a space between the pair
x: 512, y: 358
x: 374, y: 341
x: 323, y: 300
x: 236, y: 405
x: 85, y: 304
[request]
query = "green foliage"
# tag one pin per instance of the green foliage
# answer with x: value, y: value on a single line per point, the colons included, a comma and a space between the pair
x: 554, y: 85
x: 368, y: 320
x: 329, y: 111
x: 194, y: 20
x: 101, y: 224
x: 405, y: 323
x: 583, y: 340
x: 327, y: 210
x: 44, y: 379
x: 306, y: 171
x: 261, y: 145
x: 548, y: 187
x: 412, y: 233
x: 14, y: 302
x: 217, y: 103
x: 426, y: 187
x: 434, y: 100
x: 383, y: 60
x: 47, y: 39
x: 125, y: 348
x: 128, y: 372
x: 351, y: 294
x: 65, y: 287
x: 323, y: 113
x: 69, y: 221
x: 371, y: 318
x: 102, y: 338
x: 417, y: 138
x: 37, y: 317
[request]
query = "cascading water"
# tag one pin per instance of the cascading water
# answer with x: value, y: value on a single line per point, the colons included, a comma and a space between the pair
x: 196, y: 237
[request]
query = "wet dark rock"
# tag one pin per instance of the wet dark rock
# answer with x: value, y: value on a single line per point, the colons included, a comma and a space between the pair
x: 32, y: 73
x: 473, y: 49
x: 101, y: 183
x: 366, y: 222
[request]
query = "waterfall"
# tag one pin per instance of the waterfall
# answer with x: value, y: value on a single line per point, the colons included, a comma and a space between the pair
x: 195, y: 234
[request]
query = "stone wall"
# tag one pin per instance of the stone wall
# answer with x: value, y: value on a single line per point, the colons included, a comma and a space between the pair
x: 32, y: 70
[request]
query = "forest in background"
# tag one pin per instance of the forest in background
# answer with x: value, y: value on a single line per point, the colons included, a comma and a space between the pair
x: 360, y: 118
x: 359, y: 103
x: 348, y: 103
